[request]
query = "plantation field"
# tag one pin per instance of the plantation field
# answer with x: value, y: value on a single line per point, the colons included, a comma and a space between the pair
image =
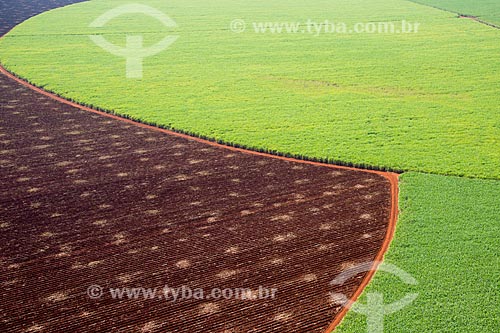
x: 486, y: 10
x: 160, y: 209
x: 401, y: 101
x: 447, y: 239
x: 426, y: 103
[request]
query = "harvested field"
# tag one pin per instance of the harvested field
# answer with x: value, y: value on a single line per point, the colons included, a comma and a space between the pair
x: 90, y: 200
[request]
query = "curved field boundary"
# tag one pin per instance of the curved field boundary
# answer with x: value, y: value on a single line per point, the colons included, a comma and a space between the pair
x: 391, y: 177
x: 380, y: 256
x: 205, y: 139
x: 20, y: 10
x: 388, y: 175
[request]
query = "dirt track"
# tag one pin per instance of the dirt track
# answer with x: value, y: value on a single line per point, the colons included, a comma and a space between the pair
x: 89, y: 200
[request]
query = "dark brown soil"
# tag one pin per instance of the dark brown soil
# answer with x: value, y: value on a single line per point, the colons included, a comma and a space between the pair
x: 87, y: 200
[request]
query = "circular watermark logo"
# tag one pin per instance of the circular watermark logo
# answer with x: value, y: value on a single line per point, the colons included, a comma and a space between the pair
x: 238, y: 26
x: 375, y: 309
x: 134, y: 51
x: 95, y: 291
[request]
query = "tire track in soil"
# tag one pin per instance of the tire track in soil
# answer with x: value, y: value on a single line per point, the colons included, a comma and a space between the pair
x: 92, y: 199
